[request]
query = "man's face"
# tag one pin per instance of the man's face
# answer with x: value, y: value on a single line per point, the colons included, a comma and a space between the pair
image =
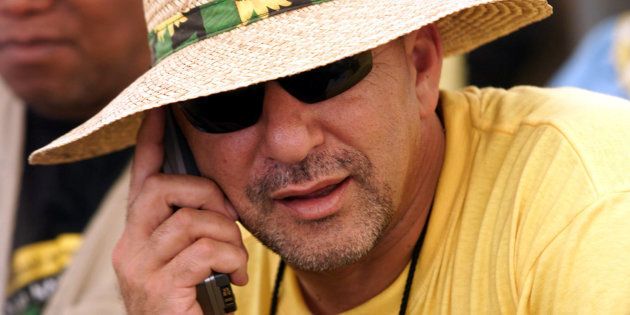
x: 70, y: 57
x: 320, y: 184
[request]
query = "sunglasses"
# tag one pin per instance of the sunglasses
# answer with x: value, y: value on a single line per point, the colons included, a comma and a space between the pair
x: 239, y: 109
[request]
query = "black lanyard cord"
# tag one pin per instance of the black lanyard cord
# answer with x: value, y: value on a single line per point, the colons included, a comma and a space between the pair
x: 415, y: 255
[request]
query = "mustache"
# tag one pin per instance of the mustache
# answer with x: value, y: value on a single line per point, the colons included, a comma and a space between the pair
x: 315, y: 165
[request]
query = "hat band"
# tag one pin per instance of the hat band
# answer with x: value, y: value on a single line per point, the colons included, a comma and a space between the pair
x: 212, y: 18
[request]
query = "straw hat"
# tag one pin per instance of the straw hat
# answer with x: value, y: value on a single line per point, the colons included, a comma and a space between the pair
x: 203, y: 47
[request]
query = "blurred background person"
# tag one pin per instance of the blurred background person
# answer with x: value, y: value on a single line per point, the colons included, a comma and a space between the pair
x: 527, y: 57
x: 533, y: 55
x: 602, y: 61
x: 61, y: 61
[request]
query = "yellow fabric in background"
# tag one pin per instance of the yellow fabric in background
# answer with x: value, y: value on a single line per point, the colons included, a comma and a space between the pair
x: 42, y: 259
x: 532, y: 213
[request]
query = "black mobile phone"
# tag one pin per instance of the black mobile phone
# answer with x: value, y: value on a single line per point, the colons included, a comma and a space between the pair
x: 215, y: 293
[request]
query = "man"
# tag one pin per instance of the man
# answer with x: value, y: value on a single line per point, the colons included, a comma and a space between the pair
x: 61, y: 61
x: 366, y: 190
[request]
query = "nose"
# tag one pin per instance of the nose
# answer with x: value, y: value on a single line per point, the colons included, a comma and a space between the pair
x: 290, y: 127
x: 24, y: 7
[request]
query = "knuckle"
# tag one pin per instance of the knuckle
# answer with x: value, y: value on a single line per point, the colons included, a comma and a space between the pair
x: 183, y: 218
x: 120, y: 257
x: 118, y: 252
x: 219, y: 220
x: 235, y: 232
x: 208, y: 185
x: 194, y: 266
x: 207, y: 246
x: 152, y: 183
x: 230, y: 231
x: 117, y: 259
x: 126, y: 278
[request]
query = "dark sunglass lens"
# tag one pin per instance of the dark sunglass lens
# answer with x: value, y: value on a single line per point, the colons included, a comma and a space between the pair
x: 328, y: 81
x: 225, y: 112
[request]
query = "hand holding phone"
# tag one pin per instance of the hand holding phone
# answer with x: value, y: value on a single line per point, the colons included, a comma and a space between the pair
x: 215, y: 293
x: 163, y: 255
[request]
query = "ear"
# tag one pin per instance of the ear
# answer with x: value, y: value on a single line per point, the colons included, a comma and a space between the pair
x: 424, y: 56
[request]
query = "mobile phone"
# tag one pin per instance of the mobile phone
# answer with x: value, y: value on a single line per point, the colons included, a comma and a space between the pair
x: 215, y: 293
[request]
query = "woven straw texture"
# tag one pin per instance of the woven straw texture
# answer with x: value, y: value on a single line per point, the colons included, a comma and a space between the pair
x: 280, y: 46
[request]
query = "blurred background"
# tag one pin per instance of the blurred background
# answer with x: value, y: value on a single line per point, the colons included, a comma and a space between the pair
x: 534, y: 54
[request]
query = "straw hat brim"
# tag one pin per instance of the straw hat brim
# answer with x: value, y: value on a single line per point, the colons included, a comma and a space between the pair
x: 283, y: 45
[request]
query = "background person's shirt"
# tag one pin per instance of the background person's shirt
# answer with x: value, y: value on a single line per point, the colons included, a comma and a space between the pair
x: 531, y: 216
x: 602, y: 61
x: 55, y: 205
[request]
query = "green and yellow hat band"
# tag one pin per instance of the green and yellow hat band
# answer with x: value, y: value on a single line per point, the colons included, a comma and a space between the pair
x: 215, y: 17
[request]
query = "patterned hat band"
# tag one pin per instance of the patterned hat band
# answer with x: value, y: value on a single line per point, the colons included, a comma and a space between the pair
x: 213, y: 18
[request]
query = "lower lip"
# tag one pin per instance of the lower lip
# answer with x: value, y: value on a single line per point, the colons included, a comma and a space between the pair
x: 319, y: 207
x: 32, y: 53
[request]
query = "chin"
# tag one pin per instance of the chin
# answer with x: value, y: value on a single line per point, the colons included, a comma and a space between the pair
x: 323, y: 245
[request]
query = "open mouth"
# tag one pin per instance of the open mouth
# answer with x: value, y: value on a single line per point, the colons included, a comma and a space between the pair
x: 315, y: 203
x: 316, y: 194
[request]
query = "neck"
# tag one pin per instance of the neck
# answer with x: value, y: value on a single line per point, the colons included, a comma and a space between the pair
x: 339, y: 290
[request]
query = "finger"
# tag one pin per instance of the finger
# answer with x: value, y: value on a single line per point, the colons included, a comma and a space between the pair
x: 204, y: 257
x: 152, y: 292
x: 184, y: 228
x: 161, y: 193
x: 149, y: 152
x: 197, y: 193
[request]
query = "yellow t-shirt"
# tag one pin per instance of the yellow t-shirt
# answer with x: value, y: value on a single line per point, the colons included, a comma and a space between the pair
x: 531, y: 215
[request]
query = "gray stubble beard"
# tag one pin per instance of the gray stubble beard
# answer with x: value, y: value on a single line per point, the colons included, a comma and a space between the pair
x: 330, y: 243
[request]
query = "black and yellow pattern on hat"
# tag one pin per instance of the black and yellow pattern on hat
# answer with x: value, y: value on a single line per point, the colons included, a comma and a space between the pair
x: 215, y: 17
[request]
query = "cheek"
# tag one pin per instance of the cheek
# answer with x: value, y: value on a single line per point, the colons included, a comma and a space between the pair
x: 119, y: 34
x: 389, y: 127
x: 379, y: 115
x: 225, y: 159
x: 215, y: 158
